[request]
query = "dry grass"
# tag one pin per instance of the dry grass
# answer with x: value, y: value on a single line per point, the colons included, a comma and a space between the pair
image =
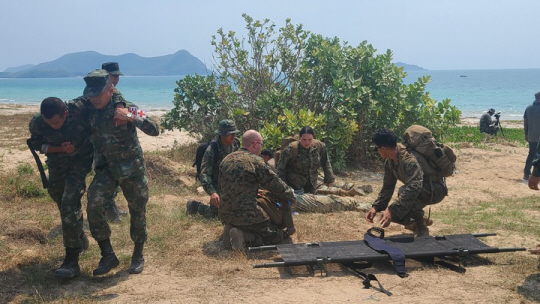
x: 185, y: 265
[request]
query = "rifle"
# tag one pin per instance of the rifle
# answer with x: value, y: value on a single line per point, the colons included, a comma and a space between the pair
x: 44, y: 179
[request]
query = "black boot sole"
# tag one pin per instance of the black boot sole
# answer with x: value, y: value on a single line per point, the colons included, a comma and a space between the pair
x: 66, y: 276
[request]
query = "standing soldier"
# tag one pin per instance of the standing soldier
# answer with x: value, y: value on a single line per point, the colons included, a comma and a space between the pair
x: 242, y: 174
x: 224, y: 144
x: 531, y: 125
x: 61, y: 133
x: 120, y: 162
x: 112, y: 211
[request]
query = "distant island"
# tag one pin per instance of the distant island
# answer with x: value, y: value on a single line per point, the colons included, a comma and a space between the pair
x: 410, y: 67
x: 79, y: 64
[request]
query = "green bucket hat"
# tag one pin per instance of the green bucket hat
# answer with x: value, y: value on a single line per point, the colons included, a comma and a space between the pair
x: 112, y: 68
x: 226, y: 127
x: 95, y: 82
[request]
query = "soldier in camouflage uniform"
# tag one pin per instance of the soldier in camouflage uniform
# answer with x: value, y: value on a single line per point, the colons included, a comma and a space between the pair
x: 61, y: 133
x: 112, y: 211
x: 226, y: 143
x: 242, y: 174
x: 308, y: 202
x: 487, y: 125
x: 120, y: 162
x: 418, y: 190
x: 302, y: 173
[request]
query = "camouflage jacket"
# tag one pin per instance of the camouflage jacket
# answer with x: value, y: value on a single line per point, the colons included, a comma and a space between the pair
x: 408, y: 171
x: 118, y: 146
x: 242, y: 174
x: 209, y: 176
x: 486, y: 123
x: 304, y: 171
x: 75, y: 130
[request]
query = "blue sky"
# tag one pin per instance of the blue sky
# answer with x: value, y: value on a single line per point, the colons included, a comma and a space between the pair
x: 435, y: 34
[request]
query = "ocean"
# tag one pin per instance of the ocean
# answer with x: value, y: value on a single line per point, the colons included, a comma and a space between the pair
x: 472, y: 91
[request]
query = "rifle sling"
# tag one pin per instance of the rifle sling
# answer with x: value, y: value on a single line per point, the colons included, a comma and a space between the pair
x: 379, y: 244
x: 366, y: 277
x: 44, y: 179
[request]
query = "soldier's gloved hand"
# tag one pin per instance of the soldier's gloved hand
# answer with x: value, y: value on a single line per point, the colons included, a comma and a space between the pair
x: 215, y: 199
x: 68, y: 147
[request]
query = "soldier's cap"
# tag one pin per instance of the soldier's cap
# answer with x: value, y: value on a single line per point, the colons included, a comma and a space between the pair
x: 226, y: 127
x: 492, y: 110
x: 537, y: 95
x: 112, y: 68
x: 95, y: 82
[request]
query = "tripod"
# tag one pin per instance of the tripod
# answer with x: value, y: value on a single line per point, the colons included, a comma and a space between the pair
x: 500, y: 126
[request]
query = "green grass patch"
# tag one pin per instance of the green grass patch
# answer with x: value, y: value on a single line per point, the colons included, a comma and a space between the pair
x: 510, y: 215
x: 513, y: 137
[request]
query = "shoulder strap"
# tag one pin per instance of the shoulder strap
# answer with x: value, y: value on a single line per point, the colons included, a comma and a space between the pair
x: 214, y: 145
x: 44, y: 179
x: 378, y: 244
x: 294, y: 151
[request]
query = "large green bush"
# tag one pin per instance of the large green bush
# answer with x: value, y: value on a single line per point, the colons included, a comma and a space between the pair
x: 277, y: 81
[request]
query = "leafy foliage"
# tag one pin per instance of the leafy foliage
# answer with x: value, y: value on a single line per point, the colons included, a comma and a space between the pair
x: 279, y: 80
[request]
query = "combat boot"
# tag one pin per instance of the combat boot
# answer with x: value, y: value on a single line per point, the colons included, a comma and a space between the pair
x: 421, y: 228
x: 108, y: 258
x: 226, y: 237
x: 239, y: 238
x: 137, y: 259
x: 412, y: 224
x: 70, y: 267
x: 192, y: 207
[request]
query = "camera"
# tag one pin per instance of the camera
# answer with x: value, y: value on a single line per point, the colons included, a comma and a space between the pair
x: 497, y: 115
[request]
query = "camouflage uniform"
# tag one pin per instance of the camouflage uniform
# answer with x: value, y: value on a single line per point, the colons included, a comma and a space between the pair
x: 67, y: 172
x: 487, y: 125
x: 242, y: 174
x: 120, y: 163
x: 329, y: 203
x: 302, y: 174
x: 209, y: 176
x: 417, y: 192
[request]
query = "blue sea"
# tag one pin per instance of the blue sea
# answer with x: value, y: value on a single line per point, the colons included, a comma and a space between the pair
x: 472, y: 91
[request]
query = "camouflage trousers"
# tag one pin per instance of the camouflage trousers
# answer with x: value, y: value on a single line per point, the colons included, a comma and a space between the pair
x: 433, y: 192
x: 102, y: 190
x: 66, y: 188
x: 266, y: 233
x: 208, y: 211
x: 329, y: 203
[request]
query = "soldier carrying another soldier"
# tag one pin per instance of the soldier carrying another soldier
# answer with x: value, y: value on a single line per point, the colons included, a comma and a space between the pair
x: 120, y: 163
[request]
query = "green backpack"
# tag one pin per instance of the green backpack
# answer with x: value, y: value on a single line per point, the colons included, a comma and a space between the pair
x: 434, y: 157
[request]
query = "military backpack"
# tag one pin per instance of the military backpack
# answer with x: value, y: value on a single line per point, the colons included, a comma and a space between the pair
x: 434, y: 158
x: 200, y: 153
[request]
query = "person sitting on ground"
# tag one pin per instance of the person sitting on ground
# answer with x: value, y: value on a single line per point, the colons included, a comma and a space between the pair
x: 242, y: 174
x: 209, y: 177
x: 418, y: 190
x: 298, y: 166
x: 487, y: 125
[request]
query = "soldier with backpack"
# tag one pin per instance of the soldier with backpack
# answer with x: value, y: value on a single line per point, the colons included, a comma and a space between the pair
x: 208, y: 168
x: 421, y: 166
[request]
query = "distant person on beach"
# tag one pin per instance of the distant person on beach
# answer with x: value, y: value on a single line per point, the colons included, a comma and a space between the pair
x: 61, y: 133
x: 112, y: 211
x: 531, y: 124
x: 114, y: 124
x: 418, y: 190
x: 487, y: 125
x: 224, y: 144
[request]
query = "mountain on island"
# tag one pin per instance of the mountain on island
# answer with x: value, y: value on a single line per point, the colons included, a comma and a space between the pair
x: 410, y: 67
x: 81, y: 63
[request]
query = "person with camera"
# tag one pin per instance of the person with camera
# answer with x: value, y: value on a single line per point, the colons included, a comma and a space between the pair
x: 487, y: 125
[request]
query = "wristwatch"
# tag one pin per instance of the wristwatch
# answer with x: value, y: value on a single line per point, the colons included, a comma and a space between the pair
x: 129, y: 114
